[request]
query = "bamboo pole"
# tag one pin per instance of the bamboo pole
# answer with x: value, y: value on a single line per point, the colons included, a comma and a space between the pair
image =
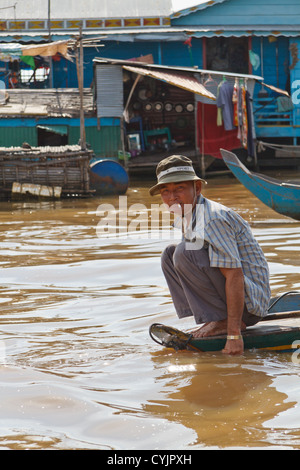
x: 80, y: 75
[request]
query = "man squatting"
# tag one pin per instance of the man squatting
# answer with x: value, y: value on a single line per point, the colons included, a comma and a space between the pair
x: 218, y: 272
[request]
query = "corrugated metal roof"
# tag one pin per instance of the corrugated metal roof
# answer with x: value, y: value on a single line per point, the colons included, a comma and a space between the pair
x: 78, y: 9
x: 205, y: 31
x: 185, y: 81
x: 60, y: 102
x: 109, y: 81
x: 158, y: 34
x: 173, y: 69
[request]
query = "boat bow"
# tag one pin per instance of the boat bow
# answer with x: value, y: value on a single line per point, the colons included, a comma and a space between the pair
x: 281, y: 196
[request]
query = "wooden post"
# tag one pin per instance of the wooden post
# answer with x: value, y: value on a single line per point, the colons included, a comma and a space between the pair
x: 122, y: 122
x: 79, y: 67
x: 49, y: 40
x: 204, y: 58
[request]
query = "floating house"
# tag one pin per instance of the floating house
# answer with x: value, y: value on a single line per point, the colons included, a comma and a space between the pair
x: 163, y: 110
x: 52, y: 117
x: 231, y: 36
x: 255, y: 37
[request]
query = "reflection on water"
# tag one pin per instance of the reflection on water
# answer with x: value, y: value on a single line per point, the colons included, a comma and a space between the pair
x: 226, y: 402
x: 77, y: 366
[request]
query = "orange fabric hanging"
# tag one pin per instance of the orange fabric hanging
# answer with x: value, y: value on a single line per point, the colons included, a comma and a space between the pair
x: 235, y: 99
x: 244, y: 130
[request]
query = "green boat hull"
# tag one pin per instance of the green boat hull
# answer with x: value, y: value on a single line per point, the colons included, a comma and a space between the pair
x: 275, y: 338
x: 266, y: 337
x: 278, y: 331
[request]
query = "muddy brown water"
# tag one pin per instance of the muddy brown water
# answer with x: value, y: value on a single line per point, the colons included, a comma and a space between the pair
x: 77, y: 367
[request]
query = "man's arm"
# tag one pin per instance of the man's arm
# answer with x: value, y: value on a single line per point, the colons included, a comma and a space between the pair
x: 235, y: 298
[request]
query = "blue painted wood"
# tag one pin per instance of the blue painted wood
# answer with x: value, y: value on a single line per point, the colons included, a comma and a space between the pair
x: 163, y: 52
x: 276, y: 131
x: 276, y: 60
x: 270, y: 70
x: 295, y: 81
x: 72, y: 122
x: 243, y: 12
x: 65, y: 74
x: 285, y: 303
x: 266, y: 114
x: 282, y: 197
x: 174, y: 53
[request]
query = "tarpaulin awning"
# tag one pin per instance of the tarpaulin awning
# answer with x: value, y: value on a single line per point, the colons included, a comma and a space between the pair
x: 47, y: 50
x: 186, y: 81
x: 11, y: 51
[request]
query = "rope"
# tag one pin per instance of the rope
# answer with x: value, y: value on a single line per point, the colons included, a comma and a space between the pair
x: 261, y: 146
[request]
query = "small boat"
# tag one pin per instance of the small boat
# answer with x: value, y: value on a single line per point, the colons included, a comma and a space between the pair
x: 282, y: 197
x: 277, y: 331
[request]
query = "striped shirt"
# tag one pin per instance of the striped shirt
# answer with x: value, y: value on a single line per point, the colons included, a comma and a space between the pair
x: 231, y: 244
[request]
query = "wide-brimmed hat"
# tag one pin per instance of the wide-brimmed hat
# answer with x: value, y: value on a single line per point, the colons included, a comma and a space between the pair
x: 174, y: 169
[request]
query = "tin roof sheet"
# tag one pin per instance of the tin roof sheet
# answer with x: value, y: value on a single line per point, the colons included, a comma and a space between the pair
x: 173, y: 69
x: 169, y: 33
x: 201, y: 6
x: 185, y: 81
x: 78, y: 9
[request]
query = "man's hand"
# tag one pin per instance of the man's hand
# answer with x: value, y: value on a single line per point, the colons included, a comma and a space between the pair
x: 235, y: 299
x: 234, y: 347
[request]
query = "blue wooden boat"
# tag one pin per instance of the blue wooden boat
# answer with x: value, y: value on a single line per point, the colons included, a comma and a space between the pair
x: 278, y: 331
x: 282, y: 197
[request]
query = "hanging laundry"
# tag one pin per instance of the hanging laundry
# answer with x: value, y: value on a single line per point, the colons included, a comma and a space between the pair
x: 244, y: 129
x: 251, y: 126
x: 254, y: 59
x: 235, y: 100
x: 224, y: 102
x: 210, y: 138
x: 219, y: 110
x: 284, y: 104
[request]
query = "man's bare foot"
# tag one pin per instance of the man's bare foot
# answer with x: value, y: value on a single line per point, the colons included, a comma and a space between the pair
x: 213, y: 328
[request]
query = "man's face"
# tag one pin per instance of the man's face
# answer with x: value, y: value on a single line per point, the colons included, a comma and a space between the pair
x: 183, y: 193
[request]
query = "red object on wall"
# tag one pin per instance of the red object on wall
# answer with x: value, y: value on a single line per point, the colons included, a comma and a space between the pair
x: 188, y: 42
x: 210, y: 137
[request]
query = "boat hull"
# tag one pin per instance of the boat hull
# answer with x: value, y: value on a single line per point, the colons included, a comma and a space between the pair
x: 282, y: 197
x: 275, y: 337
x: 278, y: 331
x: 272, y: 337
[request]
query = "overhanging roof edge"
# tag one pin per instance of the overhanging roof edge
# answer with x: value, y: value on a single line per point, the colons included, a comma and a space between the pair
x: 104, y: 60
x: 187, y: 83
x: 188, y: 11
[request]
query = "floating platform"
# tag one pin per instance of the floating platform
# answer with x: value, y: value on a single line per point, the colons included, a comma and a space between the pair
x: 66, y: 167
